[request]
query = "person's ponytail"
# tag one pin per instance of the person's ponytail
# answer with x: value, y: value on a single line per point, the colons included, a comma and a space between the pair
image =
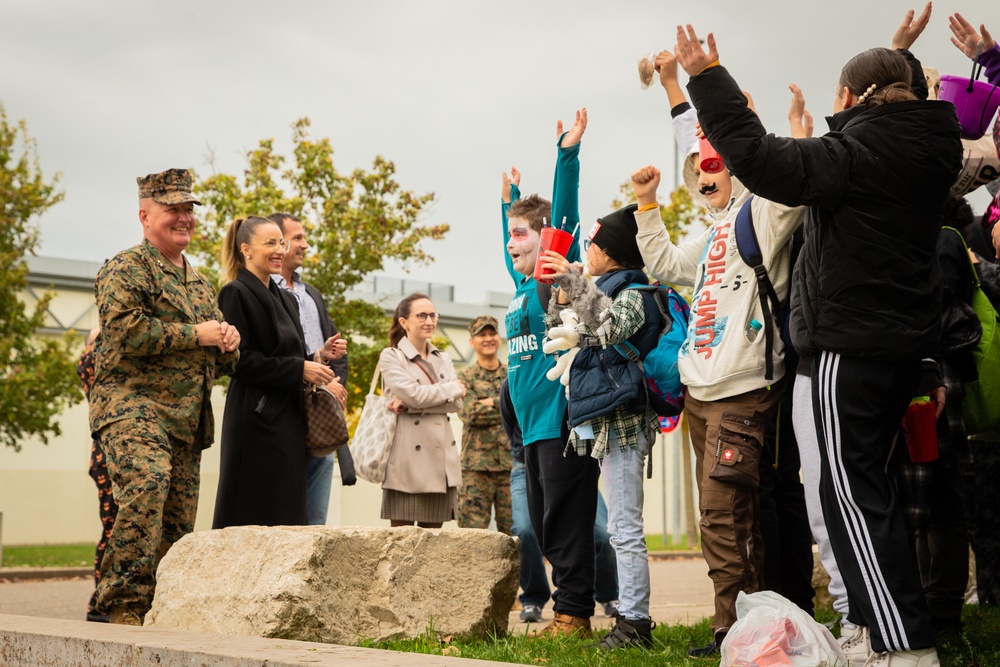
x: 232, y: 258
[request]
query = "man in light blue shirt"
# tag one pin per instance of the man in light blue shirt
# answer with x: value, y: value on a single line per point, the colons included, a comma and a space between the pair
x: 319, y: 330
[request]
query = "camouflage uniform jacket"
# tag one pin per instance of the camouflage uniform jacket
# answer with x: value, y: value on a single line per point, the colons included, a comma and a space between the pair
x: 484, y: 445
x: 150, y: 368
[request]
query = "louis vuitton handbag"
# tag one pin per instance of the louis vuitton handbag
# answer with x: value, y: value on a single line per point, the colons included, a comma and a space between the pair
x: 326, y: 426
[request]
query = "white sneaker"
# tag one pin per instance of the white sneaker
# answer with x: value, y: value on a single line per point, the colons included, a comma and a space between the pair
x: 922, y: 657
x: 857, y: 646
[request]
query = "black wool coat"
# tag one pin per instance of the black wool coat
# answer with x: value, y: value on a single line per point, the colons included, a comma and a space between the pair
x: 262, y: 477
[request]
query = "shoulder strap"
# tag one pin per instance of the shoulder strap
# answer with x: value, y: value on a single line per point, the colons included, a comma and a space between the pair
x: 375, y: 377
x: 749, y: 249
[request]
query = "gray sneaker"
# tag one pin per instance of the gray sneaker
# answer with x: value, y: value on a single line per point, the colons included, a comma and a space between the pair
x: 531, y: 613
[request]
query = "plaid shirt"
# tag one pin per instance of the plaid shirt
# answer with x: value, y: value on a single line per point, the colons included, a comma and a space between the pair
x: 622, y: 320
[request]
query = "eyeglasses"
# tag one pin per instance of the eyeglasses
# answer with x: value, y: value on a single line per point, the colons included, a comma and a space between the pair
x: 586, y: 244
x: 423, y: 317
x: 274, y: 244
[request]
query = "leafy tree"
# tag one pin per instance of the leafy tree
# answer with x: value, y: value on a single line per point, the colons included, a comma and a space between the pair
x: 356, y: 222
x: 37, y: 375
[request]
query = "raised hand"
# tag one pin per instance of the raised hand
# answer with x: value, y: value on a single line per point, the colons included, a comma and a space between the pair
x: 689, y: 53
x: 910, y: 29
x: 575, y: 133
x: 515, y: 178
x: 644, y: 184
x: 799, y: 119
x: 966, y: 39
x: 666, y: 65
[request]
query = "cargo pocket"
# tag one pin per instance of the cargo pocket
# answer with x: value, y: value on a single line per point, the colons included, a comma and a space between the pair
x: 737, y: 451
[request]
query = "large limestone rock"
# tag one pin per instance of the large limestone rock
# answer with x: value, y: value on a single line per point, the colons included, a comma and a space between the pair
x: 337, y: 585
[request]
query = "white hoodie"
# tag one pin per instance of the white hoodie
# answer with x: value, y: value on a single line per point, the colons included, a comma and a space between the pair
x: 723, y: 354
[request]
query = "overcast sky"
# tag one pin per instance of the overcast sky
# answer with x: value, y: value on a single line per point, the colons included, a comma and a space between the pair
x: 453, y: 92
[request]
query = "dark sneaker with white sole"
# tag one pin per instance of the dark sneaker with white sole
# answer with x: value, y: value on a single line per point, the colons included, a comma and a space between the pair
x: 635, y: 633
x: 531, y: 613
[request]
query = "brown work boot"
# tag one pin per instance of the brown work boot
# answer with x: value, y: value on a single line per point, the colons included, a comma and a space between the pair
x: 564, y: 625
x: 124, y: 616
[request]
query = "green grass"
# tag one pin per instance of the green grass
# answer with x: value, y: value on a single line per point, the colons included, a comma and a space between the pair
x: 670, y: 648
x: 978, y: 647
x: 49, y: 555
x: 657, y: 543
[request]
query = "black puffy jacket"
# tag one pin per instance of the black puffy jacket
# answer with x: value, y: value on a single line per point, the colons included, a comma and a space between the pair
x: 867, y: 282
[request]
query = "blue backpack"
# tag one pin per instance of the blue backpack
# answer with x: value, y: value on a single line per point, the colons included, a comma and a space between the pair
x: 659, y: 367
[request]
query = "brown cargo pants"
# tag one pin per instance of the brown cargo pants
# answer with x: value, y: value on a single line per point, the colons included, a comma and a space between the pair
x: 727, y: 436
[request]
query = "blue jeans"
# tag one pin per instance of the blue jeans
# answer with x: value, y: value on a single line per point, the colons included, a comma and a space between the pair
x: 534, y: 582
x: 623, y: 477
x: 319, y: 479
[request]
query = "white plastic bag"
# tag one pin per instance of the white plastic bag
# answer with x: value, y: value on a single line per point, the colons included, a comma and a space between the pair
x: 772, y: 631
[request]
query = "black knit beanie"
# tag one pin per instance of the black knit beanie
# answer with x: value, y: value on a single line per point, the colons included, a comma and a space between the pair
x: 615, y: 235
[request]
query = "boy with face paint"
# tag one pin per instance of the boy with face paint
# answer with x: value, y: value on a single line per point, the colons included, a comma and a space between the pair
x: 730, y: 402
x: 561, y: 484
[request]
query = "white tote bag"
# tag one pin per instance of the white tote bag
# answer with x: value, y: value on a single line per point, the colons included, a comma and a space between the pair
x: 373, y: 435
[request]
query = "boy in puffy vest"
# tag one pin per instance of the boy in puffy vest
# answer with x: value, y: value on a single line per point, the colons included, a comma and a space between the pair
x: 608, y: 405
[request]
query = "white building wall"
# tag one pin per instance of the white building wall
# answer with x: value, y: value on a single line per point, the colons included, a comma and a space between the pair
x: 46, y: 495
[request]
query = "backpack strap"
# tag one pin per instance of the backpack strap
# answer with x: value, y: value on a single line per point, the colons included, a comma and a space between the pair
x: 627, y: 349
x: 749, y: 249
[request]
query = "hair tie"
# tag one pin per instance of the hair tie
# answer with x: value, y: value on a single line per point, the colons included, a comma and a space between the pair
x: 871, y: 89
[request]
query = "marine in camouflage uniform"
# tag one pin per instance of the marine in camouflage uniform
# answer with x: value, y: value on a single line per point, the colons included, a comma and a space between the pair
x: 161, y: 347
x: 486, y: 458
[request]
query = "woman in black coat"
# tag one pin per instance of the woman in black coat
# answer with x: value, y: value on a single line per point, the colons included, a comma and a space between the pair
x: 262, y: 479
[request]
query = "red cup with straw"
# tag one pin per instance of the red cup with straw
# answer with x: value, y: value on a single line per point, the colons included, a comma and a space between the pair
x: 556, y: 240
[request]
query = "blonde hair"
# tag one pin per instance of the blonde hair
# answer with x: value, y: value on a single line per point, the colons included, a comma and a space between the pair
x: 240, y: 231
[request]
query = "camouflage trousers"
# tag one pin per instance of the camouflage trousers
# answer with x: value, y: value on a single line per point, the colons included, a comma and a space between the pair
x: 479, y: 492
x: 155, y: 479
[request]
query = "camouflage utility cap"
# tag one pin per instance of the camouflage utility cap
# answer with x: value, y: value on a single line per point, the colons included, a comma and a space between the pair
x: 481, y: 323
x: 169, y: 187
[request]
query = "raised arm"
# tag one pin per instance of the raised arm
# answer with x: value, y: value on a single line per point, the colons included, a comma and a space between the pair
x: 781, y: 169
x: 663, y: 260
x: 800, y: 121
x: 979, y: 47
x: 566, y: 182
x: 509, y: 193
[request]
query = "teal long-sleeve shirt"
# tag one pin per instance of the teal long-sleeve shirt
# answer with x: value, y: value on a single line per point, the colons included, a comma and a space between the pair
x: 539, y: 403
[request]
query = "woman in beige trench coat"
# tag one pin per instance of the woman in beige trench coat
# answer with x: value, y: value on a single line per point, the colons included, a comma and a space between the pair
x: 423, y: 472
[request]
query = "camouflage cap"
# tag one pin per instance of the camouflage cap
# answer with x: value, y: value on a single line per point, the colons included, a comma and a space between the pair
x: 169, y: 187
x: 481, y: 322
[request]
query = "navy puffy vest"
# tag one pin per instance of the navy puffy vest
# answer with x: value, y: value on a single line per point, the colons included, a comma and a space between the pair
x: 602, y: 379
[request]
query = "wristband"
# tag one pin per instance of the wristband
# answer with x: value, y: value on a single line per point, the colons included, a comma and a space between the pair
x: 710, y: 66
x: 647, y: 207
